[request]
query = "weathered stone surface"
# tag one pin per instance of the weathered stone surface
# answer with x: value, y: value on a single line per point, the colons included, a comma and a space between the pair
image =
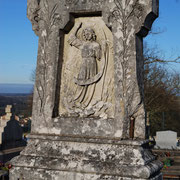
x: 89, y: 87
x: 129, y: 21
x: 57, y: 175
x: 86, y: 157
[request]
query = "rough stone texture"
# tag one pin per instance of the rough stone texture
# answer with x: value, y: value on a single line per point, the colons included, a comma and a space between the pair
x: 86, y: 159
x: 57, y: 175
x: 71, y: 143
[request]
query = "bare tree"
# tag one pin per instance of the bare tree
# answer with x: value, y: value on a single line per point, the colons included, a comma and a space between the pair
x: 162, y: 90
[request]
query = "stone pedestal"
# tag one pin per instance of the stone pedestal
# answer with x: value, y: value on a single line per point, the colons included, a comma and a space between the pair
x: 88, y: 96
x: 68, y: 158
x: 85, y: 149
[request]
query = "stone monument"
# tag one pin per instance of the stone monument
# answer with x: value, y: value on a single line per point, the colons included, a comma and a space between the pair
x: 88, y: 110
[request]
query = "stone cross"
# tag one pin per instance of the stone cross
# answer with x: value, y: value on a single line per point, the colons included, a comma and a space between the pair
x: 88, y: 96
x: 8, y: 112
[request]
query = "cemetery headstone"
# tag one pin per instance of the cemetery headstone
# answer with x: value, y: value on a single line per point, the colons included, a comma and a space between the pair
x: 12, y: 142
x: 166, y: 140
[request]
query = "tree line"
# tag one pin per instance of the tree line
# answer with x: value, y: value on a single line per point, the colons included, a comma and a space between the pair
x: 162, y: 91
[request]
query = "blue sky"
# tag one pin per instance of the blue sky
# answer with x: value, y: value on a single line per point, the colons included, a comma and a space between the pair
x: 169, y: 24
x: 19, y: 44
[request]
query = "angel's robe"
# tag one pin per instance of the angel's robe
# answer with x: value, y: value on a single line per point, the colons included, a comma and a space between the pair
x: 90, y: 52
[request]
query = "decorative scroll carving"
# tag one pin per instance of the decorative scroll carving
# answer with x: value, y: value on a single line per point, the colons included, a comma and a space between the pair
x: 33, y: 14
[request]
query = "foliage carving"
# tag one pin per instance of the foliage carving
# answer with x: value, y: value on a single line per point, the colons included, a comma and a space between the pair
x: 50, y: 20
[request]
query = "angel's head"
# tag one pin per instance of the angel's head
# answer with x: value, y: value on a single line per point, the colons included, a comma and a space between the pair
x: 88, y: 34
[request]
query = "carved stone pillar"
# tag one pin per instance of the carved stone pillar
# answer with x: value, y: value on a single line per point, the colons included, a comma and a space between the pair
x: 88, y: 108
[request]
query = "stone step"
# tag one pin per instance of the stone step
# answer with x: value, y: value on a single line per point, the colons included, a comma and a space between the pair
x: 171, y: 171
x: 175, y: 173
x: 172, y: 168
x: 176, y: 158
x: 167, y: 177
x: 171, y: 158
x: 163, y: 152
x: 176, y: 164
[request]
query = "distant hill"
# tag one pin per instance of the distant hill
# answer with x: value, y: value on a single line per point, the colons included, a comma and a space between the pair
x: 20, y: 101
x: 16, y: 88
x: 17, y: 95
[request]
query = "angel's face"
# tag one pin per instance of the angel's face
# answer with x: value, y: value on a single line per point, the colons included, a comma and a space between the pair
x: 88, y: 34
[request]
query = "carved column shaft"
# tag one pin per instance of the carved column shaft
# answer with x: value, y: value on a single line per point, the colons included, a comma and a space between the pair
x: 125, y: 18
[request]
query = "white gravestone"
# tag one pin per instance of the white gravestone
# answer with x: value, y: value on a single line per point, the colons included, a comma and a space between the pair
x: 166, y: 139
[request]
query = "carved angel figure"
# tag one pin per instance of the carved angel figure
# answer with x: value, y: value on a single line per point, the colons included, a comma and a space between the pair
x: 88, y: 74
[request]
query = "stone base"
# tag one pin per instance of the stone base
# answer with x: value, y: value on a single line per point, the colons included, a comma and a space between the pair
x: 67, y: 158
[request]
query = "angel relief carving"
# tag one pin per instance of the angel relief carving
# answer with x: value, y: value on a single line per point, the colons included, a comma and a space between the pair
x: 87, y: 94
x: 88, y: 76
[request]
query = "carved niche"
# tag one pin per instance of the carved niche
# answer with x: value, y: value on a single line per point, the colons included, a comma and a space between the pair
x: 87, y: 83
